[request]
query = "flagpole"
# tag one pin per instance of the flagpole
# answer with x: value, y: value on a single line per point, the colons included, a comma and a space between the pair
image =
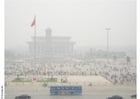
x: 35, y: 42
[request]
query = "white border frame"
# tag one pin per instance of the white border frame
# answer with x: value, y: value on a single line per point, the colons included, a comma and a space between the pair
x: 2, y: 39
x: 2, y: 49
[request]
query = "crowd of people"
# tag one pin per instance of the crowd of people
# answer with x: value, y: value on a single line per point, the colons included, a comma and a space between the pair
x: 118, y: 72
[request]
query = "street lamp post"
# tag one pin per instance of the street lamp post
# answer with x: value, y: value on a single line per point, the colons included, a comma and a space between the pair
x: 107, y: 30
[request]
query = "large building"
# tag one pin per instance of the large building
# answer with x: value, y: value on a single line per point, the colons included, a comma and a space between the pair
x: 51, y: 47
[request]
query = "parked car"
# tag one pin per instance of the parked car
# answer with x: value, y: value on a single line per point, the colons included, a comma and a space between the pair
x: 133, y: 96
x: 23, y: 97
x: 115, y: 97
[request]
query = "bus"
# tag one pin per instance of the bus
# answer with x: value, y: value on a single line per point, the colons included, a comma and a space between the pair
x: 65, y: 90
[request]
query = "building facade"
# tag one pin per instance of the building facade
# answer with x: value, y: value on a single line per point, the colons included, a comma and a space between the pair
x: 51, y: 47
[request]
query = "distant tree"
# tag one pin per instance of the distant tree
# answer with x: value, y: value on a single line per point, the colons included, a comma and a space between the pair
x: 128, y: 60
x: 114, y: 57
x: 9, y: 54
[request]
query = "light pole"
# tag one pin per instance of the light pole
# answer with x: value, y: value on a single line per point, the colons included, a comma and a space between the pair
x: 107, y: 30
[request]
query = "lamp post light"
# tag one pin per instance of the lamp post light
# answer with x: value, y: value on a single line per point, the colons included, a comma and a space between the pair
x: 107, y: 30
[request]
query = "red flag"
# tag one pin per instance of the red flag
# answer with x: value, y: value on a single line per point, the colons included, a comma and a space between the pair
x: 34, y: 22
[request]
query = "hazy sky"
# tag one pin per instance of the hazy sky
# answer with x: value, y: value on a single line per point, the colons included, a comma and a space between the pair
x: 84, y: 20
